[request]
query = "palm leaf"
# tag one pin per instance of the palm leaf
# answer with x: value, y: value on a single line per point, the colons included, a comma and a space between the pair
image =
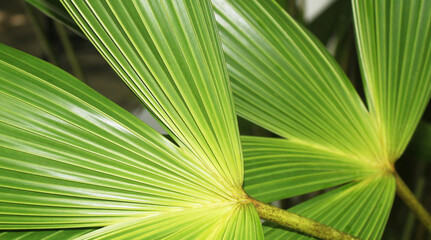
x: 359, y: 208
x: 206, y: 223
x: 278, y: 168
x: 284, y: 80
x: 55, y: 10
x: 71, y: 158
x: 168, y: 54
x: 64, y: 234
x: 81, y: 161
x: 395, y: 54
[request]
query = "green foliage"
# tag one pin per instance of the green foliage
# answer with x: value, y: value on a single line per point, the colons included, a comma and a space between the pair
x: 70, y: 158
x: 359, y: 208
x: 285, y: 80
x: 393, y: 44
x: 278, y: 168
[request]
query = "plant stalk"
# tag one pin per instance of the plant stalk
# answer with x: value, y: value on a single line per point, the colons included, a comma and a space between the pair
x: 40, y: 33
x: 412, y: 202
x: 70, y: 53
x: 419, y: 188
x: 299, y: 223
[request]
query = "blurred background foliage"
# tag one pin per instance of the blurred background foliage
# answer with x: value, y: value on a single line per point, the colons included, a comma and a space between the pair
x: 24, y: 27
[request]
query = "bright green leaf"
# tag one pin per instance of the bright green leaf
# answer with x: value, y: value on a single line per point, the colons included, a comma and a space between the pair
x: 64, y: 234
x: 222, y: 222
x: 284, y: 80
x: 169, y: 55
x: 359, y: 208
x: 71, y: 158
x: 278, y: 168
x: 395, y: 53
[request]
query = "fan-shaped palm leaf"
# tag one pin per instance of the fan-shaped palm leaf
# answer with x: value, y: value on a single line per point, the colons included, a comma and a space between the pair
x: 397, y: 73
x: 359, y: 208
x: 284, y: 80
x: 71, y: 158
x: 278, y: 168
x: 64, y: 234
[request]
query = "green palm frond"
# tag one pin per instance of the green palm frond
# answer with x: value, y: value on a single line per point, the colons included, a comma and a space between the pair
x: 169, y: 55
x: 63, y: 234
x: 209, y: 223
x: 278, y: 168
x: 71, y: 158
x: 359, y: 208
x: 284, y: 80
x: 60, y: 137
x: 394, y: 48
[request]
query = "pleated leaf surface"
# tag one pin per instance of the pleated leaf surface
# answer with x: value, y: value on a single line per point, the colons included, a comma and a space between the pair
x: 63, y: 234
x: 278, y: 168
x: 285, y: 80
x: 205, y: 223
x: 359, y: 208
x: 71, y: 158
x: 395, y: 53
x: 169, y: 55
x: 74, y: 159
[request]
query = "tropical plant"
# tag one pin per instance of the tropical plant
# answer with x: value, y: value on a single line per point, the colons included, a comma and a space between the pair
x: 285, y: 81
x: 71, y: 159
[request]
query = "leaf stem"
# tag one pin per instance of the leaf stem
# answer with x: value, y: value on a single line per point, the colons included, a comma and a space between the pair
x: 70, y: 53
x: 412, y: 202
x: 298, y: 223
x: 40, y: 32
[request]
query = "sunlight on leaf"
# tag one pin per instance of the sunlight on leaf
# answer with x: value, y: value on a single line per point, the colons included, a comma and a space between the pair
x: 71, y: 158
x: 359, y: 208
x: 394, y: 48
x: 168, y: 54
x: 204, y: 223
x: 278, y: 168
x: 64, y: 234
x: 286, y: 81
